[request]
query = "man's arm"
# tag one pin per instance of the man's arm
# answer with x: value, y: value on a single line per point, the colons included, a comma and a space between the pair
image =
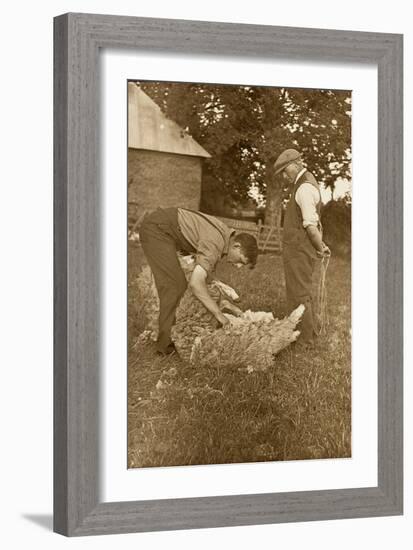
x: 307, y: 198
x: 316, y: 240
x: 197, y: 284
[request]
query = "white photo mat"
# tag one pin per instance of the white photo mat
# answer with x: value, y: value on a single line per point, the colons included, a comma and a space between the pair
x: 117, y: 482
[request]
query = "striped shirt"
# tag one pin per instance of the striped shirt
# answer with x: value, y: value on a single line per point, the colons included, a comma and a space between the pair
x: 209, y: 236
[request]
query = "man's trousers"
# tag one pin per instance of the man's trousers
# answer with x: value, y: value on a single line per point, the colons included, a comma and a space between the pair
x: 298, y: 270
x: 160, y: 238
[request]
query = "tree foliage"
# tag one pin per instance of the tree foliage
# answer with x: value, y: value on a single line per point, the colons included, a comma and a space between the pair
x: 245, y: 128
x: 336, y: 220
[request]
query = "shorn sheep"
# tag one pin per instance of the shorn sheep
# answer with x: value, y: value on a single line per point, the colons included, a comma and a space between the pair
x: 250, y: 340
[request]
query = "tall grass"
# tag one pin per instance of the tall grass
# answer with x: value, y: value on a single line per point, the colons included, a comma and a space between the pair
x: 298, y: 409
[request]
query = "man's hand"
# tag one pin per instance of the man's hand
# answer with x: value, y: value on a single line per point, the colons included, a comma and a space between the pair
x: 316, y: 239
x: 222, y: 320
x: 324, y: 252
x: 228, y: 307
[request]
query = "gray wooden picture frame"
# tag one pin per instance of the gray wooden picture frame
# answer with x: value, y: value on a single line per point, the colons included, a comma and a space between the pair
x: 78, y: 38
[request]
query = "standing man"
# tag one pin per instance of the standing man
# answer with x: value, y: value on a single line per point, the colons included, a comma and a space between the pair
x: 302, y: 237
x: 166, y: 231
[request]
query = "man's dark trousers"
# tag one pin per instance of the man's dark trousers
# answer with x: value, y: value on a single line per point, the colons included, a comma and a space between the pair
x: 161, y: 238
x: 299, y: 257
x: 299, y: 268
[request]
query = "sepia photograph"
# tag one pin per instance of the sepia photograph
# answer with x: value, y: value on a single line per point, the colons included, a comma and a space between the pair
x: 239, y: 273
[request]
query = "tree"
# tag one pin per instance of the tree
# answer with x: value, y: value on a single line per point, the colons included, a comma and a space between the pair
x: 245, y: 128
x: 336, y: 220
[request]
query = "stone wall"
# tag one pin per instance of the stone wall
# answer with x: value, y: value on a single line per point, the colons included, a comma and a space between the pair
x: 162, y: 179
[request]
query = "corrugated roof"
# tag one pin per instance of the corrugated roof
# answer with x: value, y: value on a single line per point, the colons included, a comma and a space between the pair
x: 149, y: 128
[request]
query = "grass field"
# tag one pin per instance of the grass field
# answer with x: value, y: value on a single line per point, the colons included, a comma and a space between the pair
x: 298, y: 409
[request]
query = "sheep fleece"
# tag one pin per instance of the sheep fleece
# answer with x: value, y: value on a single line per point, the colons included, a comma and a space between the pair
x: 251, y: 340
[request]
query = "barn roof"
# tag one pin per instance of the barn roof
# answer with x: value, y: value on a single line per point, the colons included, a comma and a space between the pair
x: 149, y: 128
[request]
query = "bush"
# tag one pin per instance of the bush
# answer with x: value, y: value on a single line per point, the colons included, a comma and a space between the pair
x: 336, y: 221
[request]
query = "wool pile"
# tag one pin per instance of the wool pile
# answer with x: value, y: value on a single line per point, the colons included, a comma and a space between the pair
x: 247, y: 341
x: 251, y: 339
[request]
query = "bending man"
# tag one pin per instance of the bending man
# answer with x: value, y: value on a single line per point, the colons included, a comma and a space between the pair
x: 166, y: 231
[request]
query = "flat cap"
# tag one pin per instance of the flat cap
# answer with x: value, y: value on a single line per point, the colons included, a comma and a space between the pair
x: 287, y: 157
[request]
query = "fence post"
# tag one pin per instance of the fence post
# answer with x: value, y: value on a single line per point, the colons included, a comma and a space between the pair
x: 271, y: 229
